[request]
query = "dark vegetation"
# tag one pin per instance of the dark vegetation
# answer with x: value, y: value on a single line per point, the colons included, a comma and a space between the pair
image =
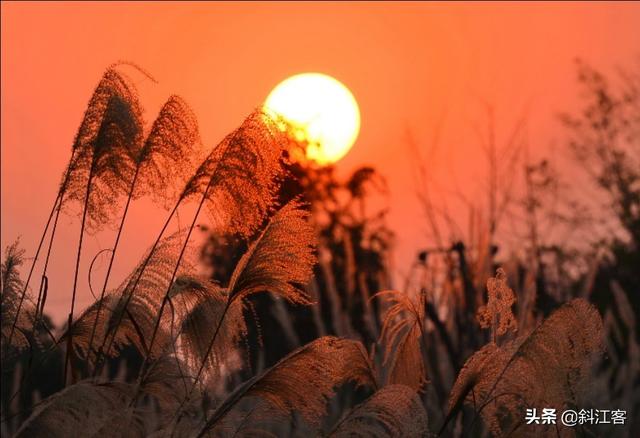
x: 296, y: 329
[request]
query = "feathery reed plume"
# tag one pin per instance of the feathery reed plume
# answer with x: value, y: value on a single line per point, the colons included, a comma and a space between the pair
x: 82, y: 328
x: 166, y: 383
x: 18, y: 330
x: 162, y: 164
x: 468, y: 377
x: 402, y: 334
x: 544, y: 368
x: 275, y: 262
x: 86, y: 408
x: 11, y: 300
x: 11, y: 281
x: 109, y: 409
x: 200, y: 305
x: 103, y: 161
x: 142, y: 294
x: 236, y: 181
x: 497, y: 314
x: 105, y: 149
x: 165, y: 380
x: 112, y: 84
x: 303, y: 381
x: 252, y: 417
x: 242, y: 167
x: 170, y: 152
x: 239, y: 177
x: 393, y: 411
x: 280, y: 260
x: 16, y: 317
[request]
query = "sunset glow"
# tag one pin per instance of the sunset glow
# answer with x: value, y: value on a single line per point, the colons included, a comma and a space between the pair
x: 322, y: 111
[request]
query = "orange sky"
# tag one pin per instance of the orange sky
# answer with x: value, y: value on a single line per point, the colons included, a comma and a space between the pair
x: 412, y: 67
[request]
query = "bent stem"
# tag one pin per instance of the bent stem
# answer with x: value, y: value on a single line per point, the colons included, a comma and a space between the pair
x: 44, y: 282
x: 77, y: 269
x: 33, y: 265
x: 101, y: 351
x: 41, y: 299
x: 165, y: 299
x: 42, y: 296
x: 113, y: 256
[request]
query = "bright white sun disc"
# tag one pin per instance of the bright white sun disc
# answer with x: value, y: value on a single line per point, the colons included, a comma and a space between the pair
x: 322, y: 111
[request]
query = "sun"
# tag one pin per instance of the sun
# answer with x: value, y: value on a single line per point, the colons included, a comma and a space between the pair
x: 322, y: 111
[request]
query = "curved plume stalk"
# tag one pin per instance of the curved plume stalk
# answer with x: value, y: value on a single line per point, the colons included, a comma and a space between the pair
x: 402, y: 335
x: 103, y: 158
x: 275, y: 262
x: 303, y: 381
x: 239, y: 183
x: 393, y: 411
x: 542, y: 369
x: 44, y: 280
x: 162, y: 164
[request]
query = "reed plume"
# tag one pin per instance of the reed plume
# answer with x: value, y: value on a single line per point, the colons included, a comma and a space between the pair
x: 104, y: 150
x: 201, y: 306
x: 118, y: 324
x: 280, y: 260
x: 275, y: 262
x: 162, y: 164
x: 303, y: 381
x: 393, y: 411
x: 103, y: 163
x: 236, y: 181
x: 402, y: 334
x: 170, y: 152
x: 497, y: 313
x: 108, y: 409
x: 13, y: 321
x: 166, y: 384
x: 239, y: 177
x: 101, y: 108
x: 86, y: 408
x: 544, y: 368
x: 15, y: 318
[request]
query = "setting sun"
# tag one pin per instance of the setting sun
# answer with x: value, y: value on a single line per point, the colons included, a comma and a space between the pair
x: 322, y: 111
